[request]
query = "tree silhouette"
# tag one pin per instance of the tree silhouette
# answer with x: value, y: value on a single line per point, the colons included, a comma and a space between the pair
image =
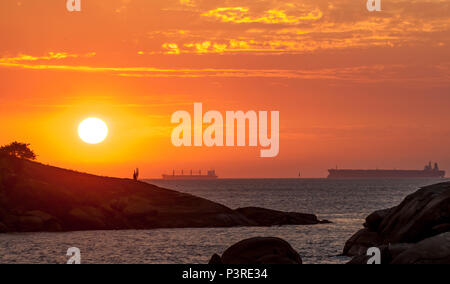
x: 18, y: 150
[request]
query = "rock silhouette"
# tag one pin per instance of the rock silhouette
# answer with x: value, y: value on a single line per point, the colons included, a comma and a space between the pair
x: 259, y: 251
x: 266, y: 217
x: 416, y: 231
x: 434, y: 250
x: 36, y: 197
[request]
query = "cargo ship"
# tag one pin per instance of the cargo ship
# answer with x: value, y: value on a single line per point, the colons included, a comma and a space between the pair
x: 210, y: 175
x: 427, y: 172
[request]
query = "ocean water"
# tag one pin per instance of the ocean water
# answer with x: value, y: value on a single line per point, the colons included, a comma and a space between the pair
x: 344, y: 202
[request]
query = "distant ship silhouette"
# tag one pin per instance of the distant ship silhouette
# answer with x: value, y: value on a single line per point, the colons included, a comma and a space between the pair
x: 192, y: 176
x: 427, y: 172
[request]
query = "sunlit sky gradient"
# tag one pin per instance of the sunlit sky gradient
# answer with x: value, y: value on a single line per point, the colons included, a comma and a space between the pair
x: 354, y: 89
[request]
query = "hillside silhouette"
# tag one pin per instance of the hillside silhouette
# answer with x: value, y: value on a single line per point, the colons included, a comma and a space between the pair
x: 37, y: 197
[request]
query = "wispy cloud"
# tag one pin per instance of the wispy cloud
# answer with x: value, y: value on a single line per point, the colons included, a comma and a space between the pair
x: 49, y: 56
x: 367, y: 74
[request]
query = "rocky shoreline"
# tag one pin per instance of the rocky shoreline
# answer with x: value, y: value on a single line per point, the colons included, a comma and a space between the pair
x: 40, y: 198
x: 417, y: 231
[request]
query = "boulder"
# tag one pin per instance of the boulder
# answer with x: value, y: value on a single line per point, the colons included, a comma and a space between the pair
x: 361, y: 241
x: 388, y: 253
x: 418, y: 216
x: 259, y: 251
x: 374, y: 220
x: 408, y: 230
x: 397, y: 249
x: 360, y: 260
x: 267, y: 217
x: 434, y: 250
x: 215, y: 259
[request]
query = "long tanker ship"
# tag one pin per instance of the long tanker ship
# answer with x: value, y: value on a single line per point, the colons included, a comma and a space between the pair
x: 427, y: 172
x: 191, y: 176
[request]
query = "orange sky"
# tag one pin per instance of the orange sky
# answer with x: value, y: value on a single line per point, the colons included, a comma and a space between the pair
x: 354, y: 89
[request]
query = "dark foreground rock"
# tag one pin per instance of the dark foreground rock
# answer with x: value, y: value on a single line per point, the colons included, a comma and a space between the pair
x: 36, y: 197
x: 259, y: 251
x: 416, y: 231
x: 266, y: 217
x: 434, y: 250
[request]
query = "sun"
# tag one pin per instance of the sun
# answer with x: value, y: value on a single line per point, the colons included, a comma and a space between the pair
x: 93, y: 130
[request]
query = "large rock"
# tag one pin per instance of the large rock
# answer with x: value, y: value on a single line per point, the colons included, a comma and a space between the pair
x: 388, y: 253
x: 418, y: 216
x: 434, y: 250
x: 259, y: 251
x: 267, y: 217
x: 374, y: 220
x: 422, y: 215
x: 215, y: 259
x: 361, y: 241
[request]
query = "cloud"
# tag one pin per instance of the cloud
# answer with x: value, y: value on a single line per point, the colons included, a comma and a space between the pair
x: 265, y: 26
x: 364, y: 74
x: 171, y: 48
x: 241, y: 15
x: 49, y: 56
x: 283, y: 27
x: 189, y: 3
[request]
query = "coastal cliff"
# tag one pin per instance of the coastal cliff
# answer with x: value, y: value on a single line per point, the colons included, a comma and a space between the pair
x: 36, y: 197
